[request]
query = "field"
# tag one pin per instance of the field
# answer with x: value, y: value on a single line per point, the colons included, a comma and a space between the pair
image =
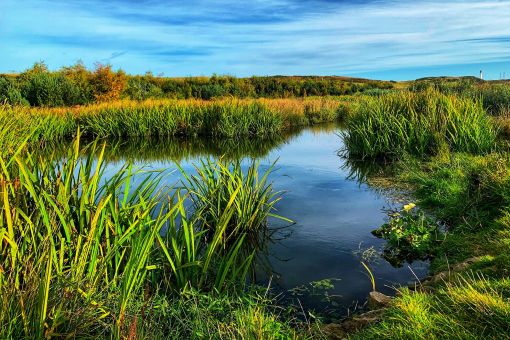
x: 69, y: 231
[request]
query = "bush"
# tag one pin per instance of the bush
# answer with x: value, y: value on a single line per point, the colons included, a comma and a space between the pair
x: 209, y: 91
x: 140, y: 88
x: 79, y: 76
x: 106, y: 84
x: 10, y: 94
x: 43, y: 88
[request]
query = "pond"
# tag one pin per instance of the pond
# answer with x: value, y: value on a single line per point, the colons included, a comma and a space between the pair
x: 317, y: 259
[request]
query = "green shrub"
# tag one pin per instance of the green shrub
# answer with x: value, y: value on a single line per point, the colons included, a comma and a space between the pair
x: 50, y: 89
x: 209, y: 91
x: 138, y: 88
x: 10, y: 94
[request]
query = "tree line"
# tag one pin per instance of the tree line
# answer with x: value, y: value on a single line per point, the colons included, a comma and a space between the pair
x: 77, y: 85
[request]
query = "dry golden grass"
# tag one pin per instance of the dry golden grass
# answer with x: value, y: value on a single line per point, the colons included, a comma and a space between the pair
x: 285, y: 107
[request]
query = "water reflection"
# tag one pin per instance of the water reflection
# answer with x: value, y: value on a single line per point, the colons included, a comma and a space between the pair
x: 326, y: 195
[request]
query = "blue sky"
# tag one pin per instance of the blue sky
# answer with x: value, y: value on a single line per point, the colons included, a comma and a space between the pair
x: 382, y: 39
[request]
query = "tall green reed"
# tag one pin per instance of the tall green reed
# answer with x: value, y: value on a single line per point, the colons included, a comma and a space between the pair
x: 219, y: 184
x: 78, y: 249
x: 391, y: 125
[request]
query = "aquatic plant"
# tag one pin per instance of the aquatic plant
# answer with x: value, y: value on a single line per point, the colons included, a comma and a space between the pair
x: 370, y: 275
x: 410, y: 234
x: 78, y: 252
x: 420, y: 124
x: 229, y: 118
x: 218, y: 184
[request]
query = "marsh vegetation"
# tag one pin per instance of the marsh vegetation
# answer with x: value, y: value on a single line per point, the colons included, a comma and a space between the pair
x: 135, y: 257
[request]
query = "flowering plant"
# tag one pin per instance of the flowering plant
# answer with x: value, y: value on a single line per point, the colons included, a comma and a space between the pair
x: 410, y: 234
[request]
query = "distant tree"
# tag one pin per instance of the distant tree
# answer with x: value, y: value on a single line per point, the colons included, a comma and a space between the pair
x: 9, y: 93
x: 107, y: 84
x: 80, y: 77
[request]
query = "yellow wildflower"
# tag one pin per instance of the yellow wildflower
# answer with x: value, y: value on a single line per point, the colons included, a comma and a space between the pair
x: 409, y: 206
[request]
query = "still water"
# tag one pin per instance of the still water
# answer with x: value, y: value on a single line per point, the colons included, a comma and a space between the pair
x: 334, y: 214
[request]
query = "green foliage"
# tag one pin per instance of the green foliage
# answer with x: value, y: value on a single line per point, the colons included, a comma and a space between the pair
x: 142, y: 88
x: 472, y: 307
x: 76, y: 85
x: 9, y: 93
x: 465, y: 191
x: 103, y: 245
x: 79, y: 76
x: 196, y: 315
x: 46, y: 89
x: 219, y: 184
x: 420, y: 124
x: 410, y: 235
x: 226, y: 119
x: 495, y: 98
x: 209, y: 91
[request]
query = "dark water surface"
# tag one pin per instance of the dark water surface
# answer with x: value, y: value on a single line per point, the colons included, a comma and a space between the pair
x: 333, y: 215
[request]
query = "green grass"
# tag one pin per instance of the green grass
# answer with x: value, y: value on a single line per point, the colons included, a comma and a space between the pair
x: 78, y: 254
x: 195, y: 315
x: 421, y: 124
x: 470, y: 194
x: 469, y: 307
x: 464, y: 190
x: 226, y: 118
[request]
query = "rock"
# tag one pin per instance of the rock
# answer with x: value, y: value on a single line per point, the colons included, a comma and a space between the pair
x: 377, y: 300
x: 360, y: 321
x: 338, y: 331
x: 465, y: 264
x: 427, y: 290
x: 445, y: 275
x: 439, y: 277
x: 334, y: 331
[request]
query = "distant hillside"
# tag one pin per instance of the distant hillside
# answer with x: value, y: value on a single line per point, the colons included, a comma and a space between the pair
x: 452, y: 79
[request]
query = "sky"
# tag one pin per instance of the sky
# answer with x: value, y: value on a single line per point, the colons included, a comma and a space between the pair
x: 378, y: 39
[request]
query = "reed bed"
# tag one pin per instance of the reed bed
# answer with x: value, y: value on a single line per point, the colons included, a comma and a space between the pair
x: 420, y: 124
x: 81, y: 256
x: 229, y: 118
x: 215, y: 183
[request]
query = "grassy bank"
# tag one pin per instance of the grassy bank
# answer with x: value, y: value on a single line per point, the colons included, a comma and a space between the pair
x: 470, y: 299
x: 446, y: 150
x: 419, y: 124
x: 85, y: 257
x: 228, y: 118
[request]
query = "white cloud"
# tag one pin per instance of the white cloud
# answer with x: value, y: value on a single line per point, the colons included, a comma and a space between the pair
x: 263, y: 37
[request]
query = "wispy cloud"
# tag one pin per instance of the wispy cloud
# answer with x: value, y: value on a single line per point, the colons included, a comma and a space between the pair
x: 369, y: 38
